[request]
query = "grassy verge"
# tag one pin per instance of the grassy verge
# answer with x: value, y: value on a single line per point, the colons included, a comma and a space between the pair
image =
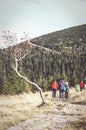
x: 14, y: 109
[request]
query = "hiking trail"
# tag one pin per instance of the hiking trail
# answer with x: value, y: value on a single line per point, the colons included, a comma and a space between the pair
x: 65, y: 112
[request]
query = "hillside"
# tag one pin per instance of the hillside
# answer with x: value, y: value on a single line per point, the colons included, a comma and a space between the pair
x: 68, y: 37
x: 42, y: 66
x: 71, y: 64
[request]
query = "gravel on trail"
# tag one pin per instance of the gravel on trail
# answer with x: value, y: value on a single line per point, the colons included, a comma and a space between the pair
x: 64, y: 113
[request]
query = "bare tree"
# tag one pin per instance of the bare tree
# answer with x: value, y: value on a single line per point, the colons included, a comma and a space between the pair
x: 20, y: 56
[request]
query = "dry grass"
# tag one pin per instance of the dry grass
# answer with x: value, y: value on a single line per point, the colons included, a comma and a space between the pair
x: 80, y: 124
x: 14, y: 109
x: 79, y: 97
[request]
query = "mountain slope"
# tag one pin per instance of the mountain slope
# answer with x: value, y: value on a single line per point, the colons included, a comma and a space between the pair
x: 42, y: 66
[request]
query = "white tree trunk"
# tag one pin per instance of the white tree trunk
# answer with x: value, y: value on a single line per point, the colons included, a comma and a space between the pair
x: 16, y: 70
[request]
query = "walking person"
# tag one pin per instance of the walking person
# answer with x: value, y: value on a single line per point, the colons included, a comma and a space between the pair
x: 77, y: 87
x: 66, y: 89
x: 54, y: 86
x: 61, y: 85
x: 81, y: 85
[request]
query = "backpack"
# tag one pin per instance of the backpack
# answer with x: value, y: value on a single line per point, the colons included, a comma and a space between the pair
x: 54, y: 85
x: 65, y: 88
x: 61, y: 85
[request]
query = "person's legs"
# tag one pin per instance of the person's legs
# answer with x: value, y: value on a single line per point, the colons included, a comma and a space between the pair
x: 66, y: 94
x: 62, y: 93
x: 54, y: 93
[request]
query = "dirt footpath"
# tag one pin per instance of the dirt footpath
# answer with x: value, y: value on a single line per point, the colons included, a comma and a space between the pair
x: 65, y: 112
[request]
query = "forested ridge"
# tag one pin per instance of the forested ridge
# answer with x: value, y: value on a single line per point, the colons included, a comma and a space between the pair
x: 43, y: 66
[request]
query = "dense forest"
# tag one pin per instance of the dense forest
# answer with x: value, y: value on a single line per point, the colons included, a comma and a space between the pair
x: 43, y: 66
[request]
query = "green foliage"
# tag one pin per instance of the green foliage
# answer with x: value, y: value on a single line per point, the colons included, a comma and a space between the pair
x: 74, y: 81
x: 10, y: 82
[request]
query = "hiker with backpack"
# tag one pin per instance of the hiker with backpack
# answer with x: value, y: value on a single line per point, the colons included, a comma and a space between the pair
x: 66, y: 89
x: 61, y: 85
x: 77, y: 87
x: 54, y: 86
x: 81, y: 85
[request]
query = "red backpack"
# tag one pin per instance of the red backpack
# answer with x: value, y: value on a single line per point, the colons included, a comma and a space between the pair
x: 81, y: 85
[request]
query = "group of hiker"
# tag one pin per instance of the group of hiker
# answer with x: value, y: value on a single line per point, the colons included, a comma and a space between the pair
x: 80, y: 86
x: 62, y: 86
